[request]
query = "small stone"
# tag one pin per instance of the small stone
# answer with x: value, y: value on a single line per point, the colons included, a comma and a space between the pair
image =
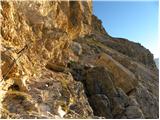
x: 43, y: 108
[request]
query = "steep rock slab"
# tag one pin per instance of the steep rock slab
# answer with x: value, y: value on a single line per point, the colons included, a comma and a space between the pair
x: 123, y: 77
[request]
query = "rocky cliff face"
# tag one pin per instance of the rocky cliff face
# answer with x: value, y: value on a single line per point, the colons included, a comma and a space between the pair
x: 57, y: 61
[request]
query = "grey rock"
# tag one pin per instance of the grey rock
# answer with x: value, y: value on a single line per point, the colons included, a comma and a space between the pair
x: 101, y: 105
x: 99, y: 81
x: 134, y: 112
x: 76, y: 47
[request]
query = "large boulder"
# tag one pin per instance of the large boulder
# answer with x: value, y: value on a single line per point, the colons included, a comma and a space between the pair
x: 99, y: 81
x: 105, y: 99
x: 124, y: 78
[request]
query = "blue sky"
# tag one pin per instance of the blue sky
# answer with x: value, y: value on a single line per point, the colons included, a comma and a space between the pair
x: 136, y: 21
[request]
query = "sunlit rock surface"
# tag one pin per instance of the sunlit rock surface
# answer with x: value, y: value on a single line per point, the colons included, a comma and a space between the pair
x: 57, y: 61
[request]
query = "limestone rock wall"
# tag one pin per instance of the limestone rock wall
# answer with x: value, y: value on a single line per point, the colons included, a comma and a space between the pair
x: 42, y: 29
x: 33, y: 34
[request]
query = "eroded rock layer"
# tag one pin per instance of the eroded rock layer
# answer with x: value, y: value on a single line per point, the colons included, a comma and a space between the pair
x: 57, y: 61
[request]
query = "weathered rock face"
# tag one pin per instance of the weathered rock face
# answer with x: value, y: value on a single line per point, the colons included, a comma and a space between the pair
x: 36, y: 34
x: 41, y: 29
x: 97, y: 26
x: 133, y: 50
x: 57, y: 61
